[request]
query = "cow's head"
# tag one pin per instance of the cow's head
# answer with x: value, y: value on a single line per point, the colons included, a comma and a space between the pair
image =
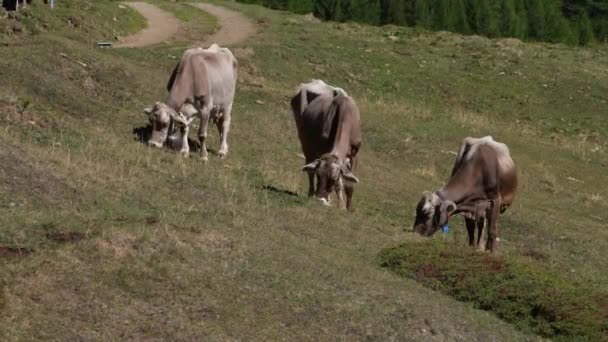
x: 331, y: 173
x: 432, y: 213
x: 160, y: 119
x: 163, y: 119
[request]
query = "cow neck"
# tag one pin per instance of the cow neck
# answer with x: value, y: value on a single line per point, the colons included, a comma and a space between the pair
x: 460, y: 194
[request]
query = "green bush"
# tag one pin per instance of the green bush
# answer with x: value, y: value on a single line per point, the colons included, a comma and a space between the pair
x: 523, y: 294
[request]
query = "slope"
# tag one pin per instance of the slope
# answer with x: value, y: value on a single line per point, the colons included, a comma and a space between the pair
x: 174, y: 249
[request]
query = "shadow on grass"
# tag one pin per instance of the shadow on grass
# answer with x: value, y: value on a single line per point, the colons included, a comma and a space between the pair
x: 275, y: 190
x: 144, y: 133
x: 520, y: 292
x: 282, y: 197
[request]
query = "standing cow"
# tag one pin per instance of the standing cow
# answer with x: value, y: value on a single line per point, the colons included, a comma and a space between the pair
x: 330, y: 134
x: 202, y: 84
x: 482, y: 185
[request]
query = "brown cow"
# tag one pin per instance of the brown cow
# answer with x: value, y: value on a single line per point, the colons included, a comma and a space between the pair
x: 483, y: 185
x: 330, y: 134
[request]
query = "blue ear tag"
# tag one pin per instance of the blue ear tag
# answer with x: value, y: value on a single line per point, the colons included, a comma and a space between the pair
x: 445, y: 229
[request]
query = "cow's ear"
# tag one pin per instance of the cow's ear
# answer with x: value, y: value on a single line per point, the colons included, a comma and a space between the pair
x: 148, y: 110
x: 427, y: 195
x: 311, y: 166
x: 349, y: 176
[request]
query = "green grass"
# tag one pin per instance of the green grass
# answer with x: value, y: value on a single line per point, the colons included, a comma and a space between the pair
x: 177, y: 249
x: 85, y: 21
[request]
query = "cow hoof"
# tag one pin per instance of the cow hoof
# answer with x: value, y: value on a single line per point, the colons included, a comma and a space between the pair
x: 222, y: 155
x: 185, y: 154
x: 205, y: 159
x: 155, y: 144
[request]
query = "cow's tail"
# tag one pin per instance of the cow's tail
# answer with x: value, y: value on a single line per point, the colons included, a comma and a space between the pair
x: 172, y: 78
x: 303, y: 101
x: 334, y: 110
x: 462, y: 152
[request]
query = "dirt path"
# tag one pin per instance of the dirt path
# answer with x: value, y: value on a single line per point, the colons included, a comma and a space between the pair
x: 161, y: 26
x: 234, y: 28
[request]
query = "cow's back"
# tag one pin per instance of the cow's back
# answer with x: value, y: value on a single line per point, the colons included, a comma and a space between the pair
x: 206, y: 75
x: 490, y: 160
x: 221, y: 72
x: 310, y: 128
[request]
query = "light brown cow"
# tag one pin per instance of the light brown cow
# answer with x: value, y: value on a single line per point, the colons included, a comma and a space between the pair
x: 330, y: 134
x: 202, y: 84
x: 483, y: 185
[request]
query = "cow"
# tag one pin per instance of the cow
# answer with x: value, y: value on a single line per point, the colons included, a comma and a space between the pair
x: 482, y: 185
x: 306, y: 93
x: 329, y: 130
x: 201, y: 85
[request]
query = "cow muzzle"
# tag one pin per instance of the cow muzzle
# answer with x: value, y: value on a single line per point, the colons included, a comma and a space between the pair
x: 155, y: 144
x: 421, y: 229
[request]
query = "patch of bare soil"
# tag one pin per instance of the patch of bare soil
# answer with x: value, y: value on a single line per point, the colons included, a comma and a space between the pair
x: 235, y: 28
x: 161, y: 26
x: 63, y: 237
x: 6, y: 252
x: 13, y: 112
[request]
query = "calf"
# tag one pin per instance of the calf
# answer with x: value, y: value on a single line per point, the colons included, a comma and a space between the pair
x: 482, y: 185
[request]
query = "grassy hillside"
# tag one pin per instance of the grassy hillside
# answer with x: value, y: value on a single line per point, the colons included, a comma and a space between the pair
x: 104, y: 238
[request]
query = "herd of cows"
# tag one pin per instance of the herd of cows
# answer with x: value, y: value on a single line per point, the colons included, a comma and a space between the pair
x: 482, y: 185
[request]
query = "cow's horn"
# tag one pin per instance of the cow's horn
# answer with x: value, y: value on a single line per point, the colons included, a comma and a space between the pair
x: 311, y: 166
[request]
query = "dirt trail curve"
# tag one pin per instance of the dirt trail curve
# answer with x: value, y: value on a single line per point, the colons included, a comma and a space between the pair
x: 234, y: 27
x: 161, y: 26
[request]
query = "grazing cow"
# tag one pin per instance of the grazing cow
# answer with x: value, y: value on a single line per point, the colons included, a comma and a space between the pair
x: 305, y: 94
x: 202, y: 84
x: 330, y: 134
x: 482, y: 185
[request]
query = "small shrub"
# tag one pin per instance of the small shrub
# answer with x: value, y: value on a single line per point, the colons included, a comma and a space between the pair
x: 519, y: 292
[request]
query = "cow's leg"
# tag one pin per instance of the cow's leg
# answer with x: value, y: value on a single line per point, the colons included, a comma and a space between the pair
x: 185, y: 150
x: 470, y: 223
x: 311, y: 184
x: 205, y: 114
x: 493, y: 226
x: 349, y: 189
x: 223, y: 127
x: 481, y: 234
x: 340, y: 193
